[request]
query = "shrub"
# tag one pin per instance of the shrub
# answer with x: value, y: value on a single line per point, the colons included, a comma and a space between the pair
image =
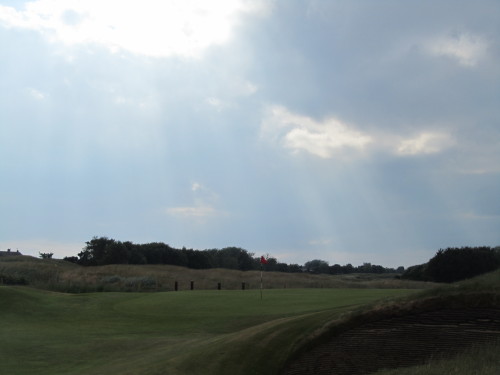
x: 454, y: 264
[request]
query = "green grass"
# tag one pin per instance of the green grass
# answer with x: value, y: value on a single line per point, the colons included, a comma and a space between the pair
x: 204, y: 331
x: 198, y: 332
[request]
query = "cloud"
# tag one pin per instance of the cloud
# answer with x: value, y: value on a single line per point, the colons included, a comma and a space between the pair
x: 424, y: 143
x: 321, y: 242
x: 218, y: 104
x: 465, y: 48
x: 302, y: 133
x: 196, y: 186
x: 475, y: 216
x: 482, y: 170
x: 36, y: 94
x: 333, y: 137
x: 242, y: 87
x: 230, y: 90
x: 192, y: 211
x: 147, y: 27
x: 204, y: 205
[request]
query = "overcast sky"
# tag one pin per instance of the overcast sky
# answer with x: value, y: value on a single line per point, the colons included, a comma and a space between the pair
x: 348, y: 131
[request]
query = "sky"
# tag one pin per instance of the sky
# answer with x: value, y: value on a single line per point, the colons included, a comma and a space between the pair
x: 348, y: 131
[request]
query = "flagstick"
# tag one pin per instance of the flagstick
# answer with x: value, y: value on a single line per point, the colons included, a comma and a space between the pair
x: 261, y: 281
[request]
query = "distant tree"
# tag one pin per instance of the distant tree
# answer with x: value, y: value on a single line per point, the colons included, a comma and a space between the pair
x: 233, y: 258
x: 72, y: 259
x: 496, y: 251
x: 46, y: 255
x: 365, y: 268
x: 348, y: 268
x: 245, y: 260
x: 103, y: 250
x: 116, y: 252
x: 94, y: 253
x: 336, y: 269
x: 417, y: 273
x: 198, y: 259
x: 294, y: 268
x: 137, y: 257
x: 281, y: 267
x: 454, y: 264
x: 174, y: 257
x: 317, y: 266
x: 271, y: 265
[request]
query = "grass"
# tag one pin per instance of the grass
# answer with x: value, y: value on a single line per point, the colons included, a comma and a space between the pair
x: 198, y: 332
x: 205, y: 331
x: 58, y: 275
x: 482, y: 360
x: 480, y: 292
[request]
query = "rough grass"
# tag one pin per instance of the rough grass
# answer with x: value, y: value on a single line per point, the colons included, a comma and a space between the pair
x: 480, y: 292
x: 479, y: 360
x: 57, y: 275
x: 199, y: 332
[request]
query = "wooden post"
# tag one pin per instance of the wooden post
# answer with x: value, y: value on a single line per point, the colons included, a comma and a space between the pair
x: 218, y: 286
x: 243, y: 286
x: 176, y: 286
x: 192, y: 285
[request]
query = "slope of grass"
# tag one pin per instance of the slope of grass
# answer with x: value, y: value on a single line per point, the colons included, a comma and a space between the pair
x: 483, y: 360
x: 479, y: 292
x: 58, y: 275
x: 199, y: 332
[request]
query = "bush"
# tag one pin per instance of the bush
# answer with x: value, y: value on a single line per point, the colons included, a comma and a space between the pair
x: 455, y: 264
x: 417, y: 273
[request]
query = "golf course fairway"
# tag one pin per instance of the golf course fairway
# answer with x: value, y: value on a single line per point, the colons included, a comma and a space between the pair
x: 189, y: 332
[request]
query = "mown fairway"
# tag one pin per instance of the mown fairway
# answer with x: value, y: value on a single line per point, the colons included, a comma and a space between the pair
x: 192, y: 332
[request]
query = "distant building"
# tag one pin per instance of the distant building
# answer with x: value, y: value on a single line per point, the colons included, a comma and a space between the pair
x: 9, y: 253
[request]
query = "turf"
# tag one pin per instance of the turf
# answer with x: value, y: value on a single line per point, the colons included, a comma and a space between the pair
x: 192, y: 332
x: 482, y: 360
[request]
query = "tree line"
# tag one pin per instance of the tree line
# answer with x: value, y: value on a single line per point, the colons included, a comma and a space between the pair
x: 455, y: 264
x: 103, y: 250
x: 320, y: 266
x: 448, y: 265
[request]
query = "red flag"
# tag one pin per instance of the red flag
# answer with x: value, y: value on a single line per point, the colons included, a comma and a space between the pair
x: 263, y: 260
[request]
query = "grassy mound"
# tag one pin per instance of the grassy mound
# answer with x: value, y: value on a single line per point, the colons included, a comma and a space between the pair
x: 58, y: 275
x: 438, y: 323
x: 477, y: 360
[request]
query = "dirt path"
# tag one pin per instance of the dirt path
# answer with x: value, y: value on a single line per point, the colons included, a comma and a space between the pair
x: 399, y: 342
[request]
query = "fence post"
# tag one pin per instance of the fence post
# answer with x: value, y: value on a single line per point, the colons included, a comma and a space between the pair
x: 192, y: 285
x: 176, y: 286
x: 242, y: 286
x: 218, y: 286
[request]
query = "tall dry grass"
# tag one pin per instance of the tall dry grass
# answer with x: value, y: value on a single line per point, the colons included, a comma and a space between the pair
x: 59, y: 275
